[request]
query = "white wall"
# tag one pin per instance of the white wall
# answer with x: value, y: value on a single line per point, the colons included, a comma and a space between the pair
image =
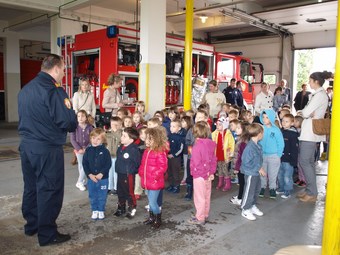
x: 319, y: 39
x: 265, y: 51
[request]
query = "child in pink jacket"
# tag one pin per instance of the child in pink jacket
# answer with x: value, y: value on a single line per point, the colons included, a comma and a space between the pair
x: 151, y: 171
x: 202, y: 167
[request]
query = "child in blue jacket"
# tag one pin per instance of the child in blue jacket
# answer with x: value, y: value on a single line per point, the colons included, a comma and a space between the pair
x: 272, y: 144
x: 97, y: 164
x: 251, y: 167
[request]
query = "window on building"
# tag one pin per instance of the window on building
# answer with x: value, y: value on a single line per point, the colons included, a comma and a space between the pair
x: 269, y: 78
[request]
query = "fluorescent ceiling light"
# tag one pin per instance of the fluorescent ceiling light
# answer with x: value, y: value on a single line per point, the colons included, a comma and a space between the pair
x: 203, y: 18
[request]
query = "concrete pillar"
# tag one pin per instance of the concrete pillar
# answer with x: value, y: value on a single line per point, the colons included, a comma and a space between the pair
x: 62, y: 27
x: 55, y: 32
x: 151, y: 87
x: 12, y: 76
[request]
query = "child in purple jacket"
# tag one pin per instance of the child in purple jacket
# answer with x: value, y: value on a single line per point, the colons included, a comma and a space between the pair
x: 80, y: 139
x: 202, y: 168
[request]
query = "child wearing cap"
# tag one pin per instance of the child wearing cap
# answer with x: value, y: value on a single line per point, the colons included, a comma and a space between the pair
x: 224, y: 152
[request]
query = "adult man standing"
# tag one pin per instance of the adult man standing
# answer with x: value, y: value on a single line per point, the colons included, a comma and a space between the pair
x: 264, y: 99
x: 45, y: 117
x: 232, y: 94
x: 214, y: 98
x: 285, y: 90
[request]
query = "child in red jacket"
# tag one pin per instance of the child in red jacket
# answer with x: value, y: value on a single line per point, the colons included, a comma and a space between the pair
x: 152, y: 169
x: 202, y: 167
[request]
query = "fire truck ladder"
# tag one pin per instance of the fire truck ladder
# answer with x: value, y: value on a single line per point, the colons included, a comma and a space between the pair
x: 66, y: 43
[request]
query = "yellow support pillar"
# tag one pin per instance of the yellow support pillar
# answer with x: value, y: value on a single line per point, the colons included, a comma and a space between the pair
x: 331, y: 226
x: 189, y: 20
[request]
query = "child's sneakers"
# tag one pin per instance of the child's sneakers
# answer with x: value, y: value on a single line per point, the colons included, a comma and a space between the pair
x: 80, y: 186
x: 176, y: 189
x: 285, y: 195
x: 256, y: 211
x: 278, y: 192
x: 120, y: 211
x: 234, y: 200
x: 101, y: 215
x: 272, y: 193
x: 94, y: 215
x: 248, y: 214
x: 131, y: 213
x: 195, y: 221
x: 262, y: 192
x: 234, y: 180
x: 170, y: 188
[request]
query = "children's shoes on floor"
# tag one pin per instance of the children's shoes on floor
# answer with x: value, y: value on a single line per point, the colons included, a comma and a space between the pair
x: 97, y: 215
x: 248, y: 214
x: 195, y: 221
x: 94, y: 215
x: 101, y: 215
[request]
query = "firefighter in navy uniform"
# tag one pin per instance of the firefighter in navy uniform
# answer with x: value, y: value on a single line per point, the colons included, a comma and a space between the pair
x: 45, y: 117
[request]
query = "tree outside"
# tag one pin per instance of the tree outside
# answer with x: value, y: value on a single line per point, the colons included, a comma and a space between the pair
x: 305, y: 63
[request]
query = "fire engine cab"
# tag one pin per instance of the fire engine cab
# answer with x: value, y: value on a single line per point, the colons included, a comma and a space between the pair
x: 99, y: 53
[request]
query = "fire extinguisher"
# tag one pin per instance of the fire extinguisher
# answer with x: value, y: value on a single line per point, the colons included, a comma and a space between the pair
x: 167, y: 93
x: 176, y: 94
x: 171, y: 94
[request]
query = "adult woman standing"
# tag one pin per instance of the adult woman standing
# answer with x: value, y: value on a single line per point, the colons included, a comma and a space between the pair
x: 315, y: 109
x: 301, y: 98
x: 83, y: 99
x: 112, y: 99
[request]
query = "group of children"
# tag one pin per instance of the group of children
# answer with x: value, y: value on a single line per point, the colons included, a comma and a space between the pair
x: 137, y: 152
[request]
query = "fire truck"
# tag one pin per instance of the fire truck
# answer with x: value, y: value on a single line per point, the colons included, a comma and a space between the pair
x: 115, y: 49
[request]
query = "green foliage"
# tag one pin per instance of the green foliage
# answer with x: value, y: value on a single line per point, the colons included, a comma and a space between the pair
x: 305, y: 63
x: 269, y: 78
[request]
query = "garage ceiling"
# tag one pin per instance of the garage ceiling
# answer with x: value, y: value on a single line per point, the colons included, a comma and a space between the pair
x: 227, y: 19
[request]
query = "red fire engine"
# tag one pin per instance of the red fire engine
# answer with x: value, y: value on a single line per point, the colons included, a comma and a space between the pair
x: 99, y: 53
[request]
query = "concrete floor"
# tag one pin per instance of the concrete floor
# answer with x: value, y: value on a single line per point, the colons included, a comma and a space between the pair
x: 285, y: 222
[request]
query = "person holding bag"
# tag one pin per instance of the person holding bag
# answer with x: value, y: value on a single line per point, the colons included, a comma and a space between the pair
x: 83, y: 99
x: 112, y: 99
x: 315, y: 109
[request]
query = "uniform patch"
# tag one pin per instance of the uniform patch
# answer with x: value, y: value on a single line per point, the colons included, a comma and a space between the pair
x: 126, y: 155
x: 67, y: 103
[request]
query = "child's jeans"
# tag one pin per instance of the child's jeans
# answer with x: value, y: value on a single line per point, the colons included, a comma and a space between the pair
x: 97, y: 194
x: 202, y: 194
x: 285, y: 177
x: 153, y: 197
x: 112, y: 176
x: 82, y: 176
